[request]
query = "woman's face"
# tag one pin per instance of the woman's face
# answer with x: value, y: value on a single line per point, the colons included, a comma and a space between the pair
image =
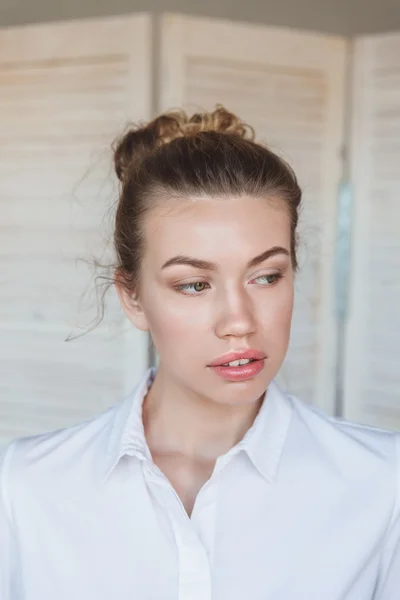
x: 217, y: 278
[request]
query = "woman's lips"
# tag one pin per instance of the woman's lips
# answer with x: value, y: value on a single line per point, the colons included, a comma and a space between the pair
x: 240, y: 373
x: 245, y: 353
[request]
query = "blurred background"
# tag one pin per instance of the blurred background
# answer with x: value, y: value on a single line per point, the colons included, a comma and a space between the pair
x: 320, y: 83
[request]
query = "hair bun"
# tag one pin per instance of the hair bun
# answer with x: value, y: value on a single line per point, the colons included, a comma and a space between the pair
x: 138, y: 142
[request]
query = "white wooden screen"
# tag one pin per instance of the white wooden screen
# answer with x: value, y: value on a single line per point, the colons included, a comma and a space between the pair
x: 372, y: 379
x: 290, y: 86
x: 66, y: 90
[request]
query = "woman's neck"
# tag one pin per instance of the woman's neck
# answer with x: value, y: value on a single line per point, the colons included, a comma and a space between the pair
x: 178, y: 421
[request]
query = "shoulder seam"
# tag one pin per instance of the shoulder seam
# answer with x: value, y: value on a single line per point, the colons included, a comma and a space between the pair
x: 340, y: 421
x: 396, y: 503
x: 3, y: 483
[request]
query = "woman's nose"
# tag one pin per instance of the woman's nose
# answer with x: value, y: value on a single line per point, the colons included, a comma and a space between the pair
x: 235, y: 316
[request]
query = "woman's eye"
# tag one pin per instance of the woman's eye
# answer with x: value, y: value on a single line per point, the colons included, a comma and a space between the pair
x: 192, y: 288
x: 268, y: 279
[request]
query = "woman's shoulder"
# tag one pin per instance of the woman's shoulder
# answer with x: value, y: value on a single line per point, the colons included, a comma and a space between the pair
x: 50, y: 457
x: 351, y: 444
x: 356, y: 462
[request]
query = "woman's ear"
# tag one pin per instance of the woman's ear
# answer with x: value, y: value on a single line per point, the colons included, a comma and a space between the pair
x: 131, y: 306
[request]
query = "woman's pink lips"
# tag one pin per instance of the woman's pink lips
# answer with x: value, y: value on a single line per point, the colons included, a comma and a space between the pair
x: 240, y: 373
x: 236, y: 355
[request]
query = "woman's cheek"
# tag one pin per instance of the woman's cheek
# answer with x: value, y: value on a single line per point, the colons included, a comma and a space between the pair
x: 177, y: 317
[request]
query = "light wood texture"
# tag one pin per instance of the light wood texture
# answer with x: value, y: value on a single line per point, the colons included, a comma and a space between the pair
x: 66, y: 91
x: 372, y: 380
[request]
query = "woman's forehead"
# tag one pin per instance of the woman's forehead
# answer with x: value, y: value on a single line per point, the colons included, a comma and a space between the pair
x: 218, y: 226
x: 241, y: 213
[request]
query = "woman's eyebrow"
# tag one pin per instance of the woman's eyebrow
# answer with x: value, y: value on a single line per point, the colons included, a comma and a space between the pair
x: 197, y: 263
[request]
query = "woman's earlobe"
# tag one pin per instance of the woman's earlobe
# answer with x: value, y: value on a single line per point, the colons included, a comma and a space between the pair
x: 137, y: 316
x: 132, y: 307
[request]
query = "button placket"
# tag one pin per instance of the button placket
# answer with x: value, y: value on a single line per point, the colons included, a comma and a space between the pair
x: 194, y: 568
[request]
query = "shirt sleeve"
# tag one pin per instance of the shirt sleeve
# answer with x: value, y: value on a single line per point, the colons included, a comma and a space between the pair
x: 6, y: 541
x: 389, y: 579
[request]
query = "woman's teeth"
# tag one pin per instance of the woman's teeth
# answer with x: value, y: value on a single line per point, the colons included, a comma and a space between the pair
x: 238, y: 363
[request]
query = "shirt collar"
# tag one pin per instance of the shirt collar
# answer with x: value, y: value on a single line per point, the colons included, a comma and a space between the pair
x: 263, y: 442
x: 127, y: 435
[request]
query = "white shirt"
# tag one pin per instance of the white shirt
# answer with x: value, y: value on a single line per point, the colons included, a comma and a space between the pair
x: 305, y: 507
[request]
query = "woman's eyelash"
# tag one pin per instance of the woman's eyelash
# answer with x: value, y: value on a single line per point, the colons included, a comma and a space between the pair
x: 192, y: 289
x: 187, y: 286
x: 274, y: 276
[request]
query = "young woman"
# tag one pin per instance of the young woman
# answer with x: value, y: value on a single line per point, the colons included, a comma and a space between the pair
x: 208, y: 482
